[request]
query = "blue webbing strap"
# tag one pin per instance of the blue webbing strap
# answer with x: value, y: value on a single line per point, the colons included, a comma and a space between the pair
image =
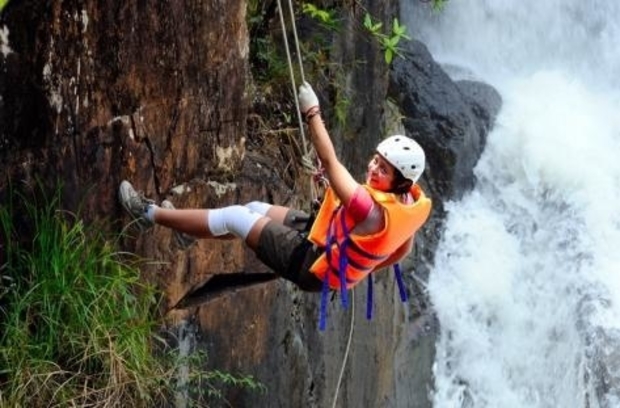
x: 331, y: 239
x: 343, y: 262
x: 401, y: 284
x: 369, y: 298
x: 342, y: 267
x: 323, y: 310
x: 353, y: 247
x: 342, y: 273
x: 325, y: 287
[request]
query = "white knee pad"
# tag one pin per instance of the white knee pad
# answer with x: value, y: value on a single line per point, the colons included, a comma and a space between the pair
x: 236, y: 219
x: 259, y: 207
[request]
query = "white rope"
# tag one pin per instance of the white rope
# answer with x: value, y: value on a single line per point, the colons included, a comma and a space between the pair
x: 346, y: 351
x: 291, y: 73
x: 301, y: 67
x: 306, y: 160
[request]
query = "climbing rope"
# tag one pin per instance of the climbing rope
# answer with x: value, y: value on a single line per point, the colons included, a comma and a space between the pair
x: 290, y: 66
x: 346, y: 352
x: 306, y: 160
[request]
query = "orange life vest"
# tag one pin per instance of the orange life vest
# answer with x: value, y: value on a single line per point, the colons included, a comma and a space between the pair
x: 332, y: 230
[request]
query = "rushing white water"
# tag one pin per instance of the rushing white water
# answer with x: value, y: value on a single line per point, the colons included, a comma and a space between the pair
x: 526, y: 284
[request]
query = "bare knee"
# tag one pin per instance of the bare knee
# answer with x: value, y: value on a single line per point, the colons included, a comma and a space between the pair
x: 255, y: 232
x: 278, y: 213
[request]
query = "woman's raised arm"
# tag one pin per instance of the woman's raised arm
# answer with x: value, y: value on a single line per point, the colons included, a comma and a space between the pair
x: 340, y: 179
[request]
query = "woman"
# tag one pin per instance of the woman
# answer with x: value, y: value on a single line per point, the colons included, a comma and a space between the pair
x: 372, y: 224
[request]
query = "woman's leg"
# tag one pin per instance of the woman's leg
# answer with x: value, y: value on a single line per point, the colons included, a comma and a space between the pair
x: 189, y: 221
x: 245, y: 222
x: 278, y: 213
x: 275, y: 243
x: 219, y: 223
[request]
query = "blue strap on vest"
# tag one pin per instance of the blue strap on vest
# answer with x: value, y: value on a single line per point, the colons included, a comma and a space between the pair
x: 342, y: 267
x: 343, y: 263
x: 369, y: 298
x: 401, y: 289
x: 399, y: 280
x: 323, y: 312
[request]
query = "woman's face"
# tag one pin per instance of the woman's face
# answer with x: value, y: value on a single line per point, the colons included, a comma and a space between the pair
x: 380, y: 173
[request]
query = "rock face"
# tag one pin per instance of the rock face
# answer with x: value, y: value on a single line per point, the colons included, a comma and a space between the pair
x: 450, y: 119
x: 96, y: 93
x: 158, y: 93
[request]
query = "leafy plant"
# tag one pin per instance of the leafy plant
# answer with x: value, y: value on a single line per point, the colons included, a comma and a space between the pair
x: 269, y: 64
x: 389, y: 43
x: 3, y: 3
x: 324, y: 17
x: 211, y: 383
x: 341, y: 99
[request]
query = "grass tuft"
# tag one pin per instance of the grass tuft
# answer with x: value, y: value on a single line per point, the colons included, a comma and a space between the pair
x: 77, y: 325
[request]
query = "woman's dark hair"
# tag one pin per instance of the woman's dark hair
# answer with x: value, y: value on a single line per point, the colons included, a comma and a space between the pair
x: 400, y: 184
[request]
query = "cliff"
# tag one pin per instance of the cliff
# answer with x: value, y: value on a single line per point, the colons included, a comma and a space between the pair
x: 166, y: 95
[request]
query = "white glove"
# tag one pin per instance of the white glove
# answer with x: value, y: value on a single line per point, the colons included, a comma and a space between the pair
x: 307, y: 98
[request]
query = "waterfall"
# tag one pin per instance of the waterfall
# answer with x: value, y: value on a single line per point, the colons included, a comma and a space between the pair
x: 526, y: 284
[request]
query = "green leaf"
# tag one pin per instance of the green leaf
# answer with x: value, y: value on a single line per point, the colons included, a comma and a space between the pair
x: 370, y: 26
x: 396, y: 26
x: 3, y: 3
x: 397, y: 29
x: 309, y: 8
x: 367, y: 21
x: 388, y: 56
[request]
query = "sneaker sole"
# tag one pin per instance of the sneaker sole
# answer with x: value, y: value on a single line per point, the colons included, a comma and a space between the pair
x: 125, y: 191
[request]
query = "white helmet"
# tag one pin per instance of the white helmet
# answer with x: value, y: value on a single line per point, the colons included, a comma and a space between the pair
x: 405, y: 154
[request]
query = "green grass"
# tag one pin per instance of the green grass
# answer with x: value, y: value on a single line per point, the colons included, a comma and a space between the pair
x: 77, y: 325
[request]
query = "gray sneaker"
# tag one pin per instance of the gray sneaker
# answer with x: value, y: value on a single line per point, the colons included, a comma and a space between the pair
x: 135, y: 203
x: 183, y: 240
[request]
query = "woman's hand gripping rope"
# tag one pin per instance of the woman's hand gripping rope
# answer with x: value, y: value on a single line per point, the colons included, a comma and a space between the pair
x: 309, y: 107
x: 307, y: 98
